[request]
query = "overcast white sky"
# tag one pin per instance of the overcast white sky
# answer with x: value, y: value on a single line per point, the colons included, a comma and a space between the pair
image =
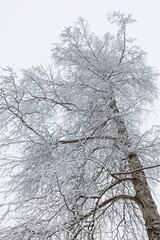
x: 29, y: 27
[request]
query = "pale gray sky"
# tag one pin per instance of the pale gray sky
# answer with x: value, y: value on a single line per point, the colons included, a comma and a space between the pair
x: 29, y: 27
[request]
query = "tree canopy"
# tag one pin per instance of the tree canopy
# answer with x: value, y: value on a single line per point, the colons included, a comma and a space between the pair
x: 82, y: 165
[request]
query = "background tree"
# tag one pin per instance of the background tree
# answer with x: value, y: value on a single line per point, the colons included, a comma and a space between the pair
x: 82, y: 167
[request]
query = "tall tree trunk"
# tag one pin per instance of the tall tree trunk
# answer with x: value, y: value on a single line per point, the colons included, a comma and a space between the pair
x: 143, y: 195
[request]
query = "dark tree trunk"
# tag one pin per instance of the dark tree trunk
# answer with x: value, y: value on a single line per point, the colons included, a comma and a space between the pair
x: 143, y: 195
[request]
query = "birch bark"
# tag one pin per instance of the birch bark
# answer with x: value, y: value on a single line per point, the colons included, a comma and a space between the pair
x: 143, y: 195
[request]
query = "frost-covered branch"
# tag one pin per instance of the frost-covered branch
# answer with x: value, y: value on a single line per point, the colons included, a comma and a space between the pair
x: 79, y: 168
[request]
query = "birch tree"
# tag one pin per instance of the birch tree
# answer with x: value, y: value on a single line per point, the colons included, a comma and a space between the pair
x: 83, y: 168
